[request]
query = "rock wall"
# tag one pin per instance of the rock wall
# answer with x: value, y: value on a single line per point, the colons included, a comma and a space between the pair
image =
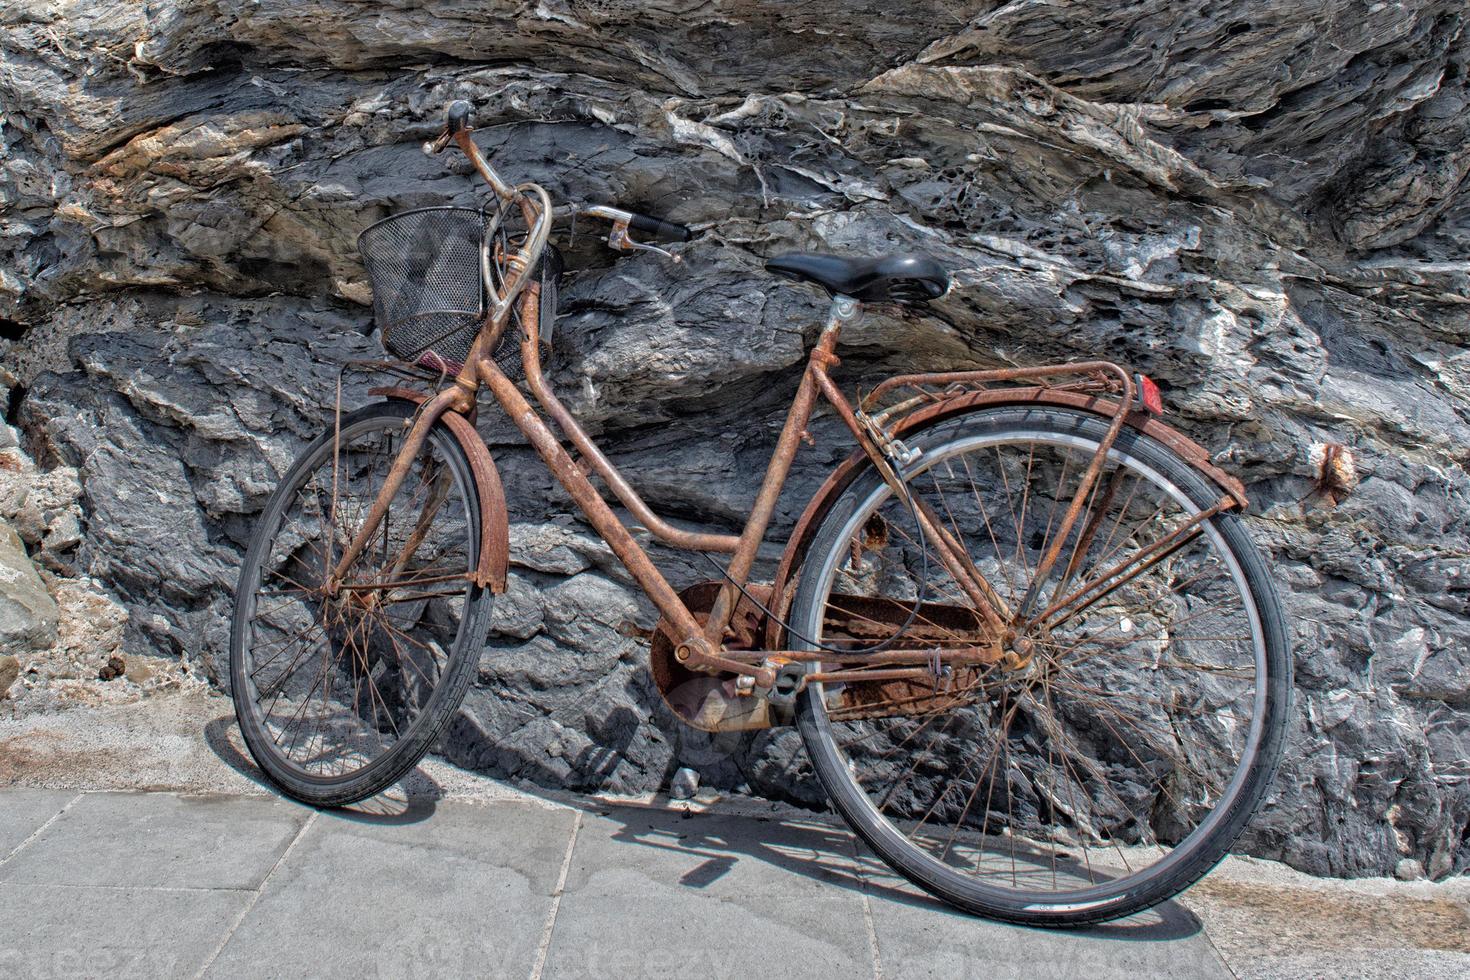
x: 1259, y: 203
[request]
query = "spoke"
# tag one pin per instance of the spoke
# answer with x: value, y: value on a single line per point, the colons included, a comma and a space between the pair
x: 416, y: 596
x: 394, y: 632
x: 1101, y: 701
x: 281, y: 647
x: 1076, y: 782
x: 990, y: 530
x: 1139, y: 564
x: 969, y: 801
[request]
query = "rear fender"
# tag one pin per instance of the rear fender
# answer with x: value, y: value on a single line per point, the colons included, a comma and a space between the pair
x: 783, y: 589
x: 494, y: 522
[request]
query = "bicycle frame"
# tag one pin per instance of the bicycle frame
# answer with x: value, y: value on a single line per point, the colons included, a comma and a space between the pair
x: 700, y: 646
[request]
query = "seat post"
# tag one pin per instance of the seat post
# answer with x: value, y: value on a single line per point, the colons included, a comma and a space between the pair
x: 842, y: 310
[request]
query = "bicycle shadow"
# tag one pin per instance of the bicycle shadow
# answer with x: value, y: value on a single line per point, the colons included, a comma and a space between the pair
x: 824, y: 850
x: 412, y: 800
x: 812, y: 845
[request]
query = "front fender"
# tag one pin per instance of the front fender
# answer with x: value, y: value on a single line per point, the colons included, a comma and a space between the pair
x: 783, y: 589
x: 494, y: 521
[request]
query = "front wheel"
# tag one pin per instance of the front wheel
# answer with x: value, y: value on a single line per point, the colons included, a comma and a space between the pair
x: 1119, y: 758
x: 341, y: 688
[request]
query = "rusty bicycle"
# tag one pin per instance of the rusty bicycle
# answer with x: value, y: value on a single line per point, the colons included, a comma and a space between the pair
x: 1033, y: 656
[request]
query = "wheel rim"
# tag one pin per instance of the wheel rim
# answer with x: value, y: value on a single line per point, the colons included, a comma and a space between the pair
x: 334, y: 679
x: 1045, y: 816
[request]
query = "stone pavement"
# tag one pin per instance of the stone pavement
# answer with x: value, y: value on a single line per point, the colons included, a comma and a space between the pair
x: 138, y: 884
x: 208, y: 870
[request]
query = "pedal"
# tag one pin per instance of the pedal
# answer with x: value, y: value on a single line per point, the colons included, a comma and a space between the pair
x: 790, y: 682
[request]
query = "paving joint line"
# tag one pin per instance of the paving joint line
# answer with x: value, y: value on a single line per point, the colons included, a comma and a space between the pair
x: 185, y: 889
x: 1210, y: 941
x: 857, y: 862
x: 255, y: 896
x: 543, y: 949
x: 40, y: 830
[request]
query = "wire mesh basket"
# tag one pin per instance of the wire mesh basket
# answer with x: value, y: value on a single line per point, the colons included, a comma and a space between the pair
x: 429, y: 290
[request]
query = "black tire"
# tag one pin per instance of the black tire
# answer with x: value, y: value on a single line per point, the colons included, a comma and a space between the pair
x: 447, y: 690
x: 1195, y: 854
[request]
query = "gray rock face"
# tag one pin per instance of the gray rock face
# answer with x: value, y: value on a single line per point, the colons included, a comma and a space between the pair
x: 27, y: 611
x: 1258, y: 203
x: 9, y: 671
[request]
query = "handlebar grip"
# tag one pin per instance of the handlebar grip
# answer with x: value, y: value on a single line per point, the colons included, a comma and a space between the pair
x: 457, y: 116
x: 666, y: 230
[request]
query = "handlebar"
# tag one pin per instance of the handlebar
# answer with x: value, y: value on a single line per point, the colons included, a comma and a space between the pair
x: 457, y: 116
x: 622, y: 221
x: 659, y: 227
x: 457, y: 129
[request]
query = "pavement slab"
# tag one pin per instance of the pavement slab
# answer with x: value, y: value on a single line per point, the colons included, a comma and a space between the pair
x: 453, y: 873
x: 66, y: 931
x: 454, y: 890
x: 658, y: 892
x: 159, y: 840
x: 26, y: 811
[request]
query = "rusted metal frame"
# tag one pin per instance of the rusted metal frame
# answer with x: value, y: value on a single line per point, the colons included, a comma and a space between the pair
x: 536, y: 381
x: 788, y: 572
x: 691, y: 648
x: 926, y: 397
x: 999, y: 375
x: 467, y: 146
x: 1089, y: 531
x: 949, y: 551
x: 871, y: 676
x: 759, y: 520
x: 744, y: 547
x: 1192, y: 452
x: 956, y: 547
x: 1094, y: 468
x: 535, y: 205
x: 418, y: 434
x: 438, y: 494
x: 494, y: 559
x: 1141, y: 562
x: 965, y: 657
x: 822, y: 353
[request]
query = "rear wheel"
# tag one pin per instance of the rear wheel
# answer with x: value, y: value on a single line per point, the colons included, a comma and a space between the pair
x: 339, y: 692
x: 1116, y: 761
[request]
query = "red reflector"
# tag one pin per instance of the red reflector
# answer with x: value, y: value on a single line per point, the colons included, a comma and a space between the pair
x: 1148, y: 394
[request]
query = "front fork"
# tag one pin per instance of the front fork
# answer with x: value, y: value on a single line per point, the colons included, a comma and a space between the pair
x: 450, y: 399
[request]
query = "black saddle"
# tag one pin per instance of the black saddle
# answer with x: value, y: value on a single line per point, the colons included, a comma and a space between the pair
x: 915, y: 278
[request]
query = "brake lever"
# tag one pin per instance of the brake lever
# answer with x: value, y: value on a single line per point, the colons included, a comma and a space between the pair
x: 437, y: 145
x: 618, y: 240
